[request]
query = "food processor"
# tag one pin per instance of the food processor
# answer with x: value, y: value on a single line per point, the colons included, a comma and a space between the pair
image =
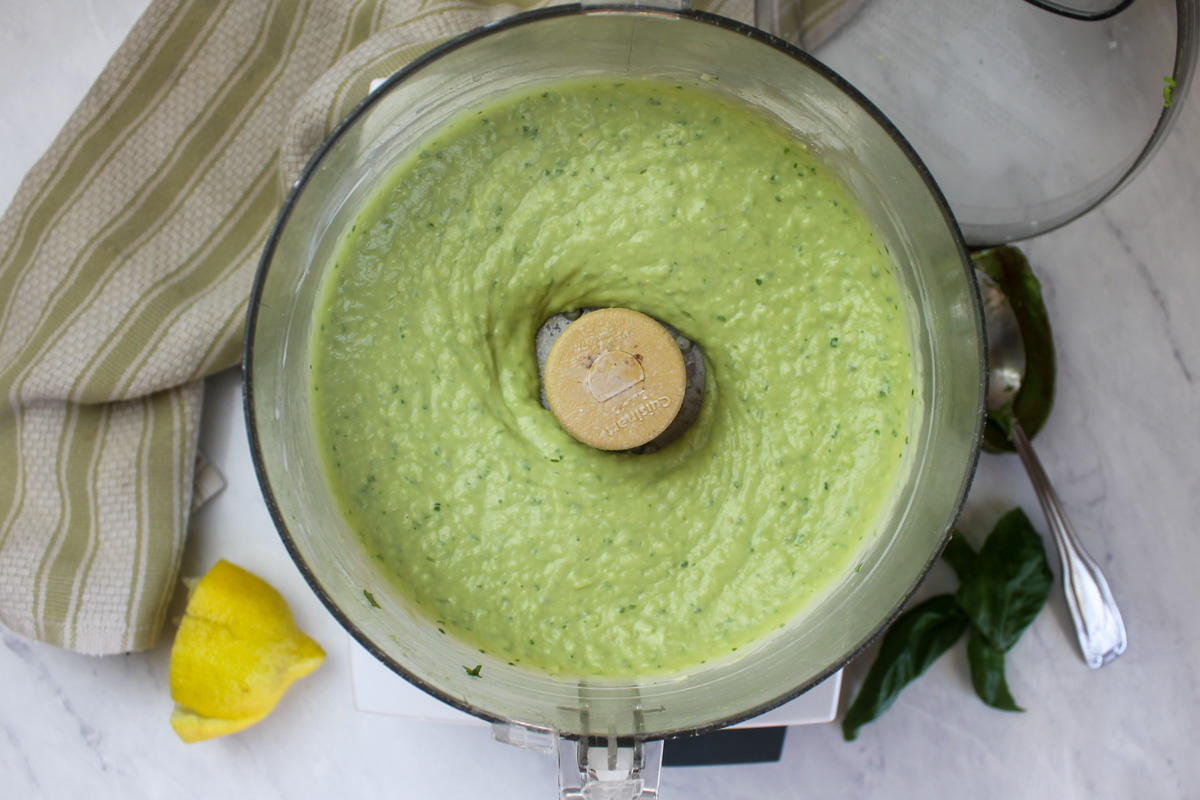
x: 609, y: 733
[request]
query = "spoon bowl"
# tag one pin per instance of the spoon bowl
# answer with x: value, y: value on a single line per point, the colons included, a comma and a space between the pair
x: 1005, y: 345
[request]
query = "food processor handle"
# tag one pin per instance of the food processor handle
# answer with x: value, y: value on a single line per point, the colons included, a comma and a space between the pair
x: 599, y: 769
x: 669, y: 5
x: 766, y: 12
x: 592, y: 768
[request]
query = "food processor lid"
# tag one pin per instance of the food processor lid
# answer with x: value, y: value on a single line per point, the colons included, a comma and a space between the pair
x: 1028, y: 113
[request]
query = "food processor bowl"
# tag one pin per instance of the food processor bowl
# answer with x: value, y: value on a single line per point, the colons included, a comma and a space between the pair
x: 864, y: 151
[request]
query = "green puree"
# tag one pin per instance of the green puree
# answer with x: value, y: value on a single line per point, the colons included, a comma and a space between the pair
x: 528, y: 544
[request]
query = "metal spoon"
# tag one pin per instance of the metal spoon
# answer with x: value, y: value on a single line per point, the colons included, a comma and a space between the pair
x: 1097, y: 621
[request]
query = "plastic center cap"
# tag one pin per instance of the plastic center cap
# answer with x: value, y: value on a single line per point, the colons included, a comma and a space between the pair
x: 615, y: 379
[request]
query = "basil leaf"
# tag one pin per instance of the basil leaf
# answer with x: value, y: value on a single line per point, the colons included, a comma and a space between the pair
x: 913, y: 642
x: 1004, y: 417
x: 1009, y: 581
x: 987, y: 672
x: 959, y: 555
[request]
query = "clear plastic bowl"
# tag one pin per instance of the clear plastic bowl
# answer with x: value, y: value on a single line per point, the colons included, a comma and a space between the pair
x: 853, y: 138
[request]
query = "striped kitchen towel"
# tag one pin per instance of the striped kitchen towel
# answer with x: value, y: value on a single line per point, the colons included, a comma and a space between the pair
x: 126, y: 259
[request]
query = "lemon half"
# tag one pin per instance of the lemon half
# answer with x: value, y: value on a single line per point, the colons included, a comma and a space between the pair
x: 235, y: 654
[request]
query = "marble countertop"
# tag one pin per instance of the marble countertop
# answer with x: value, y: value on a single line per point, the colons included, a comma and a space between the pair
x: 1122, y: 285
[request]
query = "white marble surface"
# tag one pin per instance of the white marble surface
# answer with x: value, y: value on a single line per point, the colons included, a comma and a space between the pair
x: 1122, y: 286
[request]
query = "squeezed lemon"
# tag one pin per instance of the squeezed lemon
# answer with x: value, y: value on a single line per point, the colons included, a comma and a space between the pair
x: 236, y: 652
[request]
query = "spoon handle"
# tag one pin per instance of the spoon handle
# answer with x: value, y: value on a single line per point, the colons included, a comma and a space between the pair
x: 1097, y: 620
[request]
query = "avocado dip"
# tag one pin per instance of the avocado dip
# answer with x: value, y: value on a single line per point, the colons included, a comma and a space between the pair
x: 504, y: 530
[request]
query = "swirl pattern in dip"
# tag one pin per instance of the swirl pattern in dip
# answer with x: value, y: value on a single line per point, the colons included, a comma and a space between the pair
x: 530, y: 545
